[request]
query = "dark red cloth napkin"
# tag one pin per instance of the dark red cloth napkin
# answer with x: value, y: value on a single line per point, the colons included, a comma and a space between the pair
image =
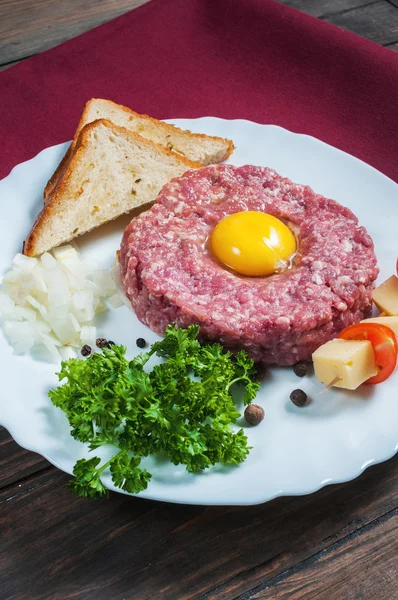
x: 252, y: 59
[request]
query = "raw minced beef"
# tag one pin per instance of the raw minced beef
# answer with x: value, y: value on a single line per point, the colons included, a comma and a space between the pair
x: 170, y: 276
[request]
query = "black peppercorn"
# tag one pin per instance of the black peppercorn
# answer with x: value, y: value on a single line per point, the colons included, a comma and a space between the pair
x: 300, y: 369
x: 86, y: 350
x: 298, y: 397
x: 254, y: 414
x: 110, y: 343
x: 141, y: 343
x: 101, y: 342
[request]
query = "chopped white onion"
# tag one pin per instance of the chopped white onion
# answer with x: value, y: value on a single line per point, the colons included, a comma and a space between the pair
x: 21, y: 335
x: 57, y: 284
x: 40, y: 284
x: 66, y: 254
x: 101, y: 308
x: 103, y: 281
x: 88, y: 335
x: 48, y: 261
x: 74, y: 322
x: 42, y: 327
x: 67, y: 352
x: 52, y: 349
x: 40, y: 307
x: 115, y: 301
x: 25, y: 262
x: 7, y: 305
x: 62, y: 326
x: 115, y: 274
x: 50, y: 339
x: 52, y: 301
x: 22, y: 313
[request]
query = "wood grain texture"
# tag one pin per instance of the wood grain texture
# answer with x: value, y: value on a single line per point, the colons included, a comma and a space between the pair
x: 16, y: 463
x: 377, y: 22
x: 28, y: 26
x: 10, y: 64
x: 364, y: 566
x: 319, y: 8
x: 136, y: 549
x: 338, y: 544
x: 31, y: 26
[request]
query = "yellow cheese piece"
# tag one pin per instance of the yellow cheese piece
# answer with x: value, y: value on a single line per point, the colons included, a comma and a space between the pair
x: 386, y: 296
x: 353, y: 362
x: 391, y: 322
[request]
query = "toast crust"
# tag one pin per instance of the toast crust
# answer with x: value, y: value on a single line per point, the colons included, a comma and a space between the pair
x: 43, y: 220
x: 166, y: 128
x: 52, y: 182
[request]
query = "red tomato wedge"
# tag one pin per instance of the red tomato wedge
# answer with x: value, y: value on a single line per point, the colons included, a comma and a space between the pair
x: 384, y: 343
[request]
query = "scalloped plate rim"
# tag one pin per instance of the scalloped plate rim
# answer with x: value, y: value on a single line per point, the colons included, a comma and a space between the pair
x: 282, y: 492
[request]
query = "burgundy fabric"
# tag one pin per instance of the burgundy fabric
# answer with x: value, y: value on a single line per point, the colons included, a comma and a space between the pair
x: 252, y: 59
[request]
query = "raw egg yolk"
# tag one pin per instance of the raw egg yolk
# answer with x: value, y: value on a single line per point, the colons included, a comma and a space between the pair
x: 252, y: 243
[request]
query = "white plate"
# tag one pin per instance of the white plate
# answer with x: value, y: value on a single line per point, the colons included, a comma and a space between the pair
x: 295, y: 450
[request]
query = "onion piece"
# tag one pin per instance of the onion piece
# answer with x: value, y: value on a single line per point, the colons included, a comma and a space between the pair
x: 66, y: 254
x: 25, y: 262
x: 7, y: 305
x: 100, y: 308
x: 25, y: 313
x: 52, y: 349
x: 48, y: 261
x: 88, y: 335
x: 67, y: 352
x: 74, y: 322
x: 51, y: 301
x: 115, y: 301
x: 40, y: 307
x: 50, y: 339
x: 20, y: 334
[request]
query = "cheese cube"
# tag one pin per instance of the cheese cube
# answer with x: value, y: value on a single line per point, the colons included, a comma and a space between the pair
x: 353, y: 362
x: 391, y: 322
x: 386, y: 296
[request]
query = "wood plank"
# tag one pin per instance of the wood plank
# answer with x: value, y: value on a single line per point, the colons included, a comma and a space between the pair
x: 131, y: 548
x: 10, y: 64
x: 393, y: 47
x: 364, y: 567
x: 319, y: 8
x: 377, y: 22
x: 28, y: 27
x: 16, y: 463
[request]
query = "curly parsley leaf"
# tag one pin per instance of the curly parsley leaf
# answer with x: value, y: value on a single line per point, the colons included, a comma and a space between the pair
x: 111, y: 400
x: 127, y: 475
x: 87, y: 482
x: 244, y: 373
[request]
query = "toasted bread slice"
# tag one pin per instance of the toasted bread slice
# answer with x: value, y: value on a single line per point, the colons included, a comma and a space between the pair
x: 198, y: 148
x: 112, y: 171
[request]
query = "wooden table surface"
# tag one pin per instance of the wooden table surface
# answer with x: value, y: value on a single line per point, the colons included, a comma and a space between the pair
x: 340, y: 543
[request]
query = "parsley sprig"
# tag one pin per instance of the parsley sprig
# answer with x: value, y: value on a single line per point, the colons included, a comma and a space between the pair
x: 111, y: 400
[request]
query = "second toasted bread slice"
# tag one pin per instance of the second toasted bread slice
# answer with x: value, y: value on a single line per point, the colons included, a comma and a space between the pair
x: 112, y: 171
x: 198, y: 148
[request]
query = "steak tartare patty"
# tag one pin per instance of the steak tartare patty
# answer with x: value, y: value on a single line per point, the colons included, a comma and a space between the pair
x: 170, y: 276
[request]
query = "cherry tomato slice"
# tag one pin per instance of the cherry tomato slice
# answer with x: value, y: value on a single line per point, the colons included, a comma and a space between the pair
x: 384, y: 343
